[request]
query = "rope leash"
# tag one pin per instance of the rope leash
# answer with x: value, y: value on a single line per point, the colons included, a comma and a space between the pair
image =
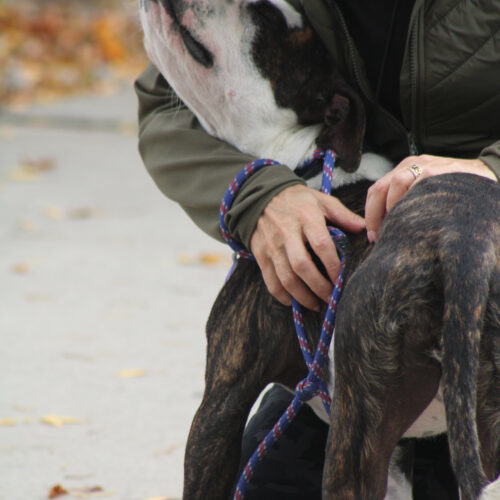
x: 313, y: 384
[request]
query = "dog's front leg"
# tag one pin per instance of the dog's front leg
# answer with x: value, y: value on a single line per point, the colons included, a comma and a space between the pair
x: 214, y: 443
x: 250, y: 343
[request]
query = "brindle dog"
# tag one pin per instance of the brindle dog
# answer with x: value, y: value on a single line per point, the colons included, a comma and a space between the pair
x: 421, y: 308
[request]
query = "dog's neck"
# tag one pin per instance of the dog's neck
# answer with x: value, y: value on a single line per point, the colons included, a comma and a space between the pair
x: 294, y: 146
x: 371, y: 168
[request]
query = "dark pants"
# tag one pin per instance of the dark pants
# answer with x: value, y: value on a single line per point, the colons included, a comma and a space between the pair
x: 293, y: 468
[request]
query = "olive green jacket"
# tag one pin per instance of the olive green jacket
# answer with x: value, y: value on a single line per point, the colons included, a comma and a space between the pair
x: 450, y: 101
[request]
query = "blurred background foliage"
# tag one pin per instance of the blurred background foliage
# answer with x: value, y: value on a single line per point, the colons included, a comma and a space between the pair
x: 56, y: 48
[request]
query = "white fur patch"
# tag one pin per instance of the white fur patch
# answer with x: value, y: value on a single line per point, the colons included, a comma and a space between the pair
x: 293, y: 18
x: 492, y: 491
x: 398, y: 486
x: 371, y: 168
x: 432, y: 420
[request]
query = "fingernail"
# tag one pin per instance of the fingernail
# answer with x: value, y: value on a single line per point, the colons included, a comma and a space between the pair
x: 372, y: 236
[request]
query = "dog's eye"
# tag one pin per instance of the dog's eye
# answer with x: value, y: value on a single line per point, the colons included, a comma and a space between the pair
x: 199, y: 53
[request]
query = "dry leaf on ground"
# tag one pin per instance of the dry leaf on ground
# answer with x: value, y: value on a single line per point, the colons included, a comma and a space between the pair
x: 58, y: 420
x: 7, y: 422
x: 205, y: 259
x: 28, y: 226
x: 132, y: 373
x: 54, y: 212
x: 89, y: 492
x: 81, y: 213
x: 57, y: 491
x: 30, y: 170
x: 21, y: 268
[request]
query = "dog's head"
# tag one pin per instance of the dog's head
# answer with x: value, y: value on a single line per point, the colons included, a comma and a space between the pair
x: 256, y: 75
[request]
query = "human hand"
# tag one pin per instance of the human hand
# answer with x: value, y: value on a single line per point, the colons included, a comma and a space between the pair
x: 388, y: 190
x: 296, y: 216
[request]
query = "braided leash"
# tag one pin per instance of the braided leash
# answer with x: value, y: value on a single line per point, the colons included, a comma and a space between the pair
x: 313, y: 384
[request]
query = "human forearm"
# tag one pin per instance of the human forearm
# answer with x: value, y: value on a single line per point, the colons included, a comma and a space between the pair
x: 193, y: 168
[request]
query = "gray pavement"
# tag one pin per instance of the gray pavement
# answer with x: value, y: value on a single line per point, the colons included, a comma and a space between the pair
x: 99, y: 273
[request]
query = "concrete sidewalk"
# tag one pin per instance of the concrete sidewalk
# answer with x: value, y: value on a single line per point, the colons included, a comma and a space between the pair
x: 103, y: 301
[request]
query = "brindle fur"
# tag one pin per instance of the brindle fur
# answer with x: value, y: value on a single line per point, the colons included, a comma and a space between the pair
x: 430, y: 285
x: 428, y: 290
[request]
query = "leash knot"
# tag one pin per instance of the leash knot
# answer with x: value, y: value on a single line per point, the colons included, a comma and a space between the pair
x: 306, y: 389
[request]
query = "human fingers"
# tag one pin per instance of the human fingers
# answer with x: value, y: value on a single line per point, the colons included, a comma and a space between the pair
x: 339, y: 215
x: 375, y: 207
x: 303, y: 266
x: 293, y: 282
x: 321, y: 244
x: 275, y: 232
x: 271, y: 280
x: 401, y: 181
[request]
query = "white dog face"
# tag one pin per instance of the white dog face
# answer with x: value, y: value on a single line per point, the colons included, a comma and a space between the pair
x: 256, y: 76
x: 204, y: 48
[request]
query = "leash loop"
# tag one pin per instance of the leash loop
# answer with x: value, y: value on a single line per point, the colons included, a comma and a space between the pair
x: 313, y: 385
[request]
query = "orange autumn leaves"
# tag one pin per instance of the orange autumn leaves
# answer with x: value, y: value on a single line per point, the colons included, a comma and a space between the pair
x: 53, y: 49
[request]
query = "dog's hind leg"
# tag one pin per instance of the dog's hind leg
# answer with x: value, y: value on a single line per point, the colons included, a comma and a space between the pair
x: 375, y: 401
x: 464, y: 329
x: 488, y: 393
x: 250, y: 343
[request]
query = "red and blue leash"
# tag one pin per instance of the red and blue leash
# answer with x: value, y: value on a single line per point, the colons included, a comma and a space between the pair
x: 313, y: 384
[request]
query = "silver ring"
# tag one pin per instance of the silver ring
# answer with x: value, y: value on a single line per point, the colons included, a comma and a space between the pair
x: 416, y: 171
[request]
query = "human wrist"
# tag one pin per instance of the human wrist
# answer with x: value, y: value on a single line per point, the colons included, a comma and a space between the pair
x: 254, y: 196
x: 486, y: 170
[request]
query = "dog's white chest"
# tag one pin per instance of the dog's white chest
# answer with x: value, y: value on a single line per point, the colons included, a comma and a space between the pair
x: 432, y: 420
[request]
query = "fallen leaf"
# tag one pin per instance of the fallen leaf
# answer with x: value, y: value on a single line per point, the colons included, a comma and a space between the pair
x: 30, y: 169
x: 23, y: 408
x: 186, y: 259
x: 7, y: 422
x: 93, y: 492
x: 213, y: 258
x: 58, y: 420
x: 23, y: 174
x: 204, y: 258
x: 81, y: 213
x: 54, y: 212
x: 57, y: 491
x: 132, y: 373
x: 21, y: 268
x: 28, y: 226
x: 40, y: 165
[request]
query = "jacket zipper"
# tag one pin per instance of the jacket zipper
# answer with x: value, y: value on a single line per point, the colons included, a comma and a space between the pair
x: 415, y: 133
x: 352, y: 55
x: 410, y: 134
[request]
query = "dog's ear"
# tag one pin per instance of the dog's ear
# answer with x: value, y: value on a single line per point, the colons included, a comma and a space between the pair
x: 344, y: 127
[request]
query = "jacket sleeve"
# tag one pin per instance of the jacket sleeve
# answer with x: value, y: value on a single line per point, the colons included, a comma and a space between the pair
x: 491, y: 156
x: 193, y: 168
